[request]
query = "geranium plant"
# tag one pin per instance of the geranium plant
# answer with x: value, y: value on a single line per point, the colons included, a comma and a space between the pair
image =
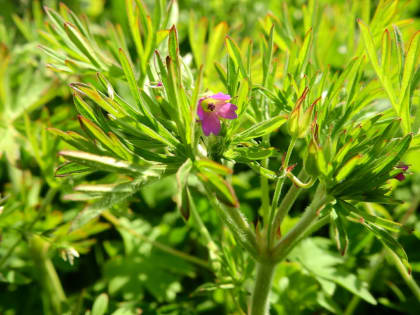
x: 273, y: 106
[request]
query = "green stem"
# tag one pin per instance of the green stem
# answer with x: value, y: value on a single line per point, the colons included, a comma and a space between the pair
x: 52, y: 291
x: 260, y: 295
x: 265, y: 191
x: 288, y: 201
x: 277, y: 192
x: 266, y: 267
x: 315, y: 227
x: 212, y: 246
x: 114, y: 220
x: 311, y: 213
x: 237, y: 224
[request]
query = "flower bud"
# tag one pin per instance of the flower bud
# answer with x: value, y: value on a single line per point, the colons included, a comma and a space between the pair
x: 299, y: 122
x: 305, y: 121
x: 293, y: 122
x: 311, y: 160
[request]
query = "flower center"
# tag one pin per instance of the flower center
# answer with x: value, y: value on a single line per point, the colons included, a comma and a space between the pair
x: 211, y: 107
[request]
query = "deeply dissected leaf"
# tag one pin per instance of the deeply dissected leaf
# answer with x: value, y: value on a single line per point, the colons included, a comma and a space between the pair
x: 375, y: 220
x: 261, y: 129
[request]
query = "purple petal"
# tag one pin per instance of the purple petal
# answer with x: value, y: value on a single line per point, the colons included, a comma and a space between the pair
x: 200, y: 111
x: 400, y: 177
x: 403, y: 166
x: 227, y: 111
x: 221, y: 97
x: 210, y: 123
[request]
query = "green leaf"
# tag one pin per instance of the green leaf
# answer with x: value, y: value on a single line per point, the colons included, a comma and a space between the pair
x: 383, y: 77
x: 83, y: 108
x: 236, y: 55
x: 411, y: 60
x: 268, y: 56
x: 348, y: 167
x: 182, y: 199
x: 215, y: 44
x: 263, y: 171
x: 386, y: 53
x: 338, y: 84
x: 173, y: 45
x: 106, y: 163
x: 399, y: 48
x: 100, y: 306
x: 389, y: 242
x: 132, y: 83
x: 340, y: 232
x: 76, y: 140
x: 71, y: 168
x: 261, y: 129
x: 197, y: 31
x: 375, y: 220
x: 248, y: 154
x: 105, y: 102
x: 304, y: 52
x: 393, y: 156
x: 222, y: 189
x: 314, y: 254
x: 211, y: 166
x: 109, y: 199
x: 100, y: 135
x: 82, y: 44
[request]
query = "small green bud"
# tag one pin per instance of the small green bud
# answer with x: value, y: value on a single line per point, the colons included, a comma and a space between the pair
x: 299, y: 122
x: 293, y: 122
x: 311, y: 163
x: 294, y: 118
x: 306, y: 120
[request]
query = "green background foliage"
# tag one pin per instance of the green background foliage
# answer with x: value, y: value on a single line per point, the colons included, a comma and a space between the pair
x: 104, y: 201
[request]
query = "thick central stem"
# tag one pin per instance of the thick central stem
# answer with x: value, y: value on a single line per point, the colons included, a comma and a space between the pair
x: 260, y: 296
x: 266, y: 267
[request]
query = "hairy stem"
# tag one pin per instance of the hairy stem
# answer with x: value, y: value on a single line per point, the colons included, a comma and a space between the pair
x: 277, y: 192
x: 289, y: 200
x: 265, y: 192
x: 52, y: 291
x: 262, y: 287
x: 311, y: 213
x: 211, y: 245
x: 237, y: 224
x: 266, y: 265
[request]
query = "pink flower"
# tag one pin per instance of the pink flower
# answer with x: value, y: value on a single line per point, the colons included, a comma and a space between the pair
x: 401, y: 176
x: 212, y: 108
